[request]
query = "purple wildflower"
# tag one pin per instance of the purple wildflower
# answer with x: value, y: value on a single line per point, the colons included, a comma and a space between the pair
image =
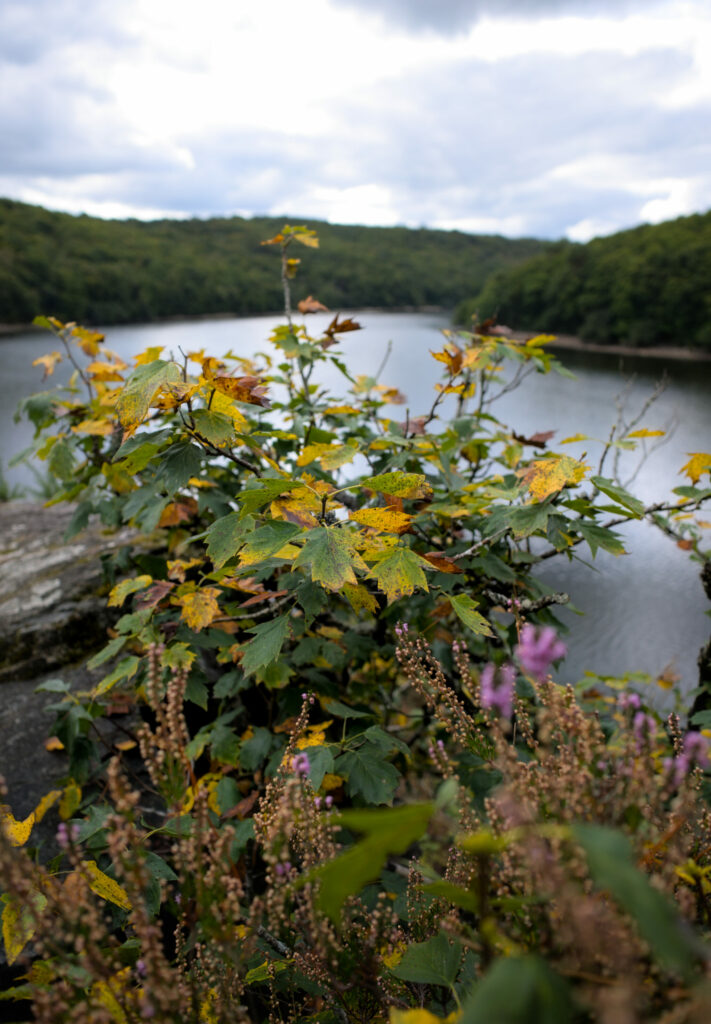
x: 329, y: 801
x: 538, y: 649
x: 141, y: 968
x: 67, y: 835
x: 629, y: 702
x: 301, y: 765
x: 695, y: 751
x: 283, y: 869
x: 497, y: 696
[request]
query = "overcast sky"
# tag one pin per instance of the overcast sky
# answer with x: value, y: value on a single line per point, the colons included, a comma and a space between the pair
x: 521, y: 117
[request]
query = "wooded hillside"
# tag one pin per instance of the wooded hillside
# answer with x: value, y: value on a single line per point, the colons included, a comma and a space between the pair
x: 100, y: 272
x: 647, y: 286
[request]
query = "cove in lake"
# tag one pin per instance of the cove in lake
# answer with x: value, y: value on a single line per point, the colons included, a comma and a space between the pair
x: 642, y: 611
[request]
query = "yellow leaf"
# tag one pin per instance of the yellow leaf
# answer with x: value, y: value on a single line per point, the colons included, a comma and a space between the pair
x: 307, y: 238
x: 105, y: 993
x: 224, y: 404
x: 88, y: 341
x: 208, y: 1008
x: 699, y: 463
x: 99, y: 428
x: 120, y: 592
x: 200, y: 607
x: 575, y: 437
x: 149, y: 356
x: 393, y: 959
x: 71, y: 798
x: 331, y: 781
x: 647, y: 433
x: 359, y: 597
x: 341, y: 410
x: 104, y: 886
x: 53, y: 743
x: 49, y: 362
x: 388, y: 519
x: 48, y: 800
x: 18, y: 832
x: 100, y: 370
x: 421, y: 1017
x: 316, y: 739
x: 19, y: 923
x: 548, y: 476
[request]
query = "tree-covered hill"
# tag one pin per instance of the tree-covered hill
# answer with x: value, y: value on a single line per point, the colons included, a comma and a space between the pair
x: 99, y: 272
x: 647, y: 286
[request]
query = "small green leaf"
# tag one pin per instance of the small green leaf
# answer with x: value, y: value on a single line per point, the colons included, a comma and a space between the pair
x: 399, y: 573
x: 517, y: 989
x: 368, y: 774
x: 465, y: 608
x: 224, y: 537
x: 266, y: 645
x: 434, y: 962
x: 330, y: 552
x: 401, y: 485
x: 600, y: 537
x: 618, y: 494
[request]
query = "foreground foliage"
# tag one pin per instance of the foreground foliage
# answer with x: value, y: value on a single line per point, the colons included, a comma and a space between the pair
x: 344, y: 787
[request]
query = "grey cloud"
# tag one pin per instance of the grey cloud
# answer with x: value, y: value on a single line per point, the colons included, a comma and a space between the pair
x: 30, y: 29
x: 449, y: 17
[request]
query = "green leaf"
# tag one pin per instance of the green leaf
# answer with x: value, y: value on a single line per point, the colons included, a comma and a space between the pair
x: 401, y: 485
x: 465, y: 606
x: 320, y: 762
x: 106, y: 653
x: 267, y: 491
x: 178, y: 464
x: 267, y: 541
x: 454, y: 894
x: 125, y: 669
x: 611, y: 863
x: 527, y: 519
x: 266, y: 645
x: 368, y: 774
x: 335, y: 707
x: 388, y: 831
x: 330, y: 552
x: 224, y: 537
x: 215, y: 427
x: 618, y: 494
x: 141, y: 388
x: 518, y: 989
x: 434, y: 962
x: 399, y: 573
x: 256, y: 749
x: 266, y: 971
x: 600, y: 537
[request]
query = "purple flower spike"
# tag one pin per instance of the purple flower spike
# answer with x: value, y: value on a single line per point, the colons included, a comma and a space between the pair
x: 694, y: 752
x: 644, y: 728
x: 629, y: 702
x: 497, y: 695
x: 538, y: 649
x: 301, y: 765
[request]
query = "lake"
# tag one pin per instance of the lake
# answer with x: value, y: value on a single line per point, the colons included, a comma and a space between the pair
x: 641, y: 613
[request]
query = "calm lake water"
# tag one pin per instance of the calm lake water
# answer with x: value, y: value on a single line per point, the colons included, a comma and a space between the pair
x: 641, y: 612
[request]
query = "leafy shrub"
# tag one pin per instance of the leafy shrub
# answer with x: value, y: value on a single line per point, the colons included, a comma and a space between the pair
x: 350, y: 788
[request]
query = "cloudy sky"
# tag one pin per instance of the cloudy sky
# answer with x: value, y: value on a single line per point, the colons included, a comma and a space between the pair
x: 519, y: 117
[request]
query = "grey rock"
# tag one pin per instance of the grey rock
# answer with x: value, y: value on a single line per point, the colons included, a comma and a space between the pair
x: 52, y: 594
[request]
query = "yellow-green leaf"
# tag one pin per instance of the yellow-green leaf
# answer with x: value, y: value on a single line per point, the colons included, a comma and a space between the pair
x: 330, y: 552
x: 548, y: 476
x: 120, y: 592
x: 647, y: 433
x: 19, y: 923
x: 389, y: 520
x: 465, y: 607
x: 401, y: 485
x: 71, y: 798
x: 141, y: 388
x: 399, y: 573
x: 359, y: 597
x: 104, y: 886
x: 200, y: 607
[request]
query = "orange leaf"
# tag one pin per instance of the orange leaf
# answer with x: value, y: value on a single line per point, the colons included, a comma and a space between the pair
x: 312, y: 305
x: 442, y: 562
x: 178, y: 512
x: 49, y: 362
x: 242, y: 389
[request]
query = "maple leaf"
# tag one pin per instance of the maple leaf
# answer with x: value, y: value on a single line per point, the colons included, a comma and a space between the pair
x: 49, y: 362
x: 330, y: 552
x: 389, y: 520
x: 242, y: 389
x: 140, y: 390
x: 402, y: 485
x: 699, y: 463
x: 311, y: 305
x: 442, y: 562
x: 538, y: 440
x: 452, y: 357
x: 177, y: 512
x: 548, y: 476
x: 399, y: 573
x: 199, y: 607
x: 87, y: 340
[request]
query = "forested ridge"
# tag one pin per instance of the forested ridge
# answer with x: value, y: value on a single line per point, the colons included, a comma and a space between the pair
x: 647, y: 286
x: 101, y: 272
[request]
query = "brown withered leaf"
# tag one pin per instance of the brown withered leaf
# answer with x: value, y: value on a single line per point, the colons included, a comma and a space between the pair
x: 311, y: 305
x: 537, y: 440
x: 242, y: 389
x: 155, y: 594
x: 414, y: 426
x: 264, y: 596
x: 242, y: 809
x: 442, y: 562
x: 177, y: 512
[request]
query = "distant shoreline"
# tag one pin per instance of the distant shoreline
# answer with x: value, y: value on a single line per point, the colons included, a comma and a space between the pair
x: 562, y: 341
